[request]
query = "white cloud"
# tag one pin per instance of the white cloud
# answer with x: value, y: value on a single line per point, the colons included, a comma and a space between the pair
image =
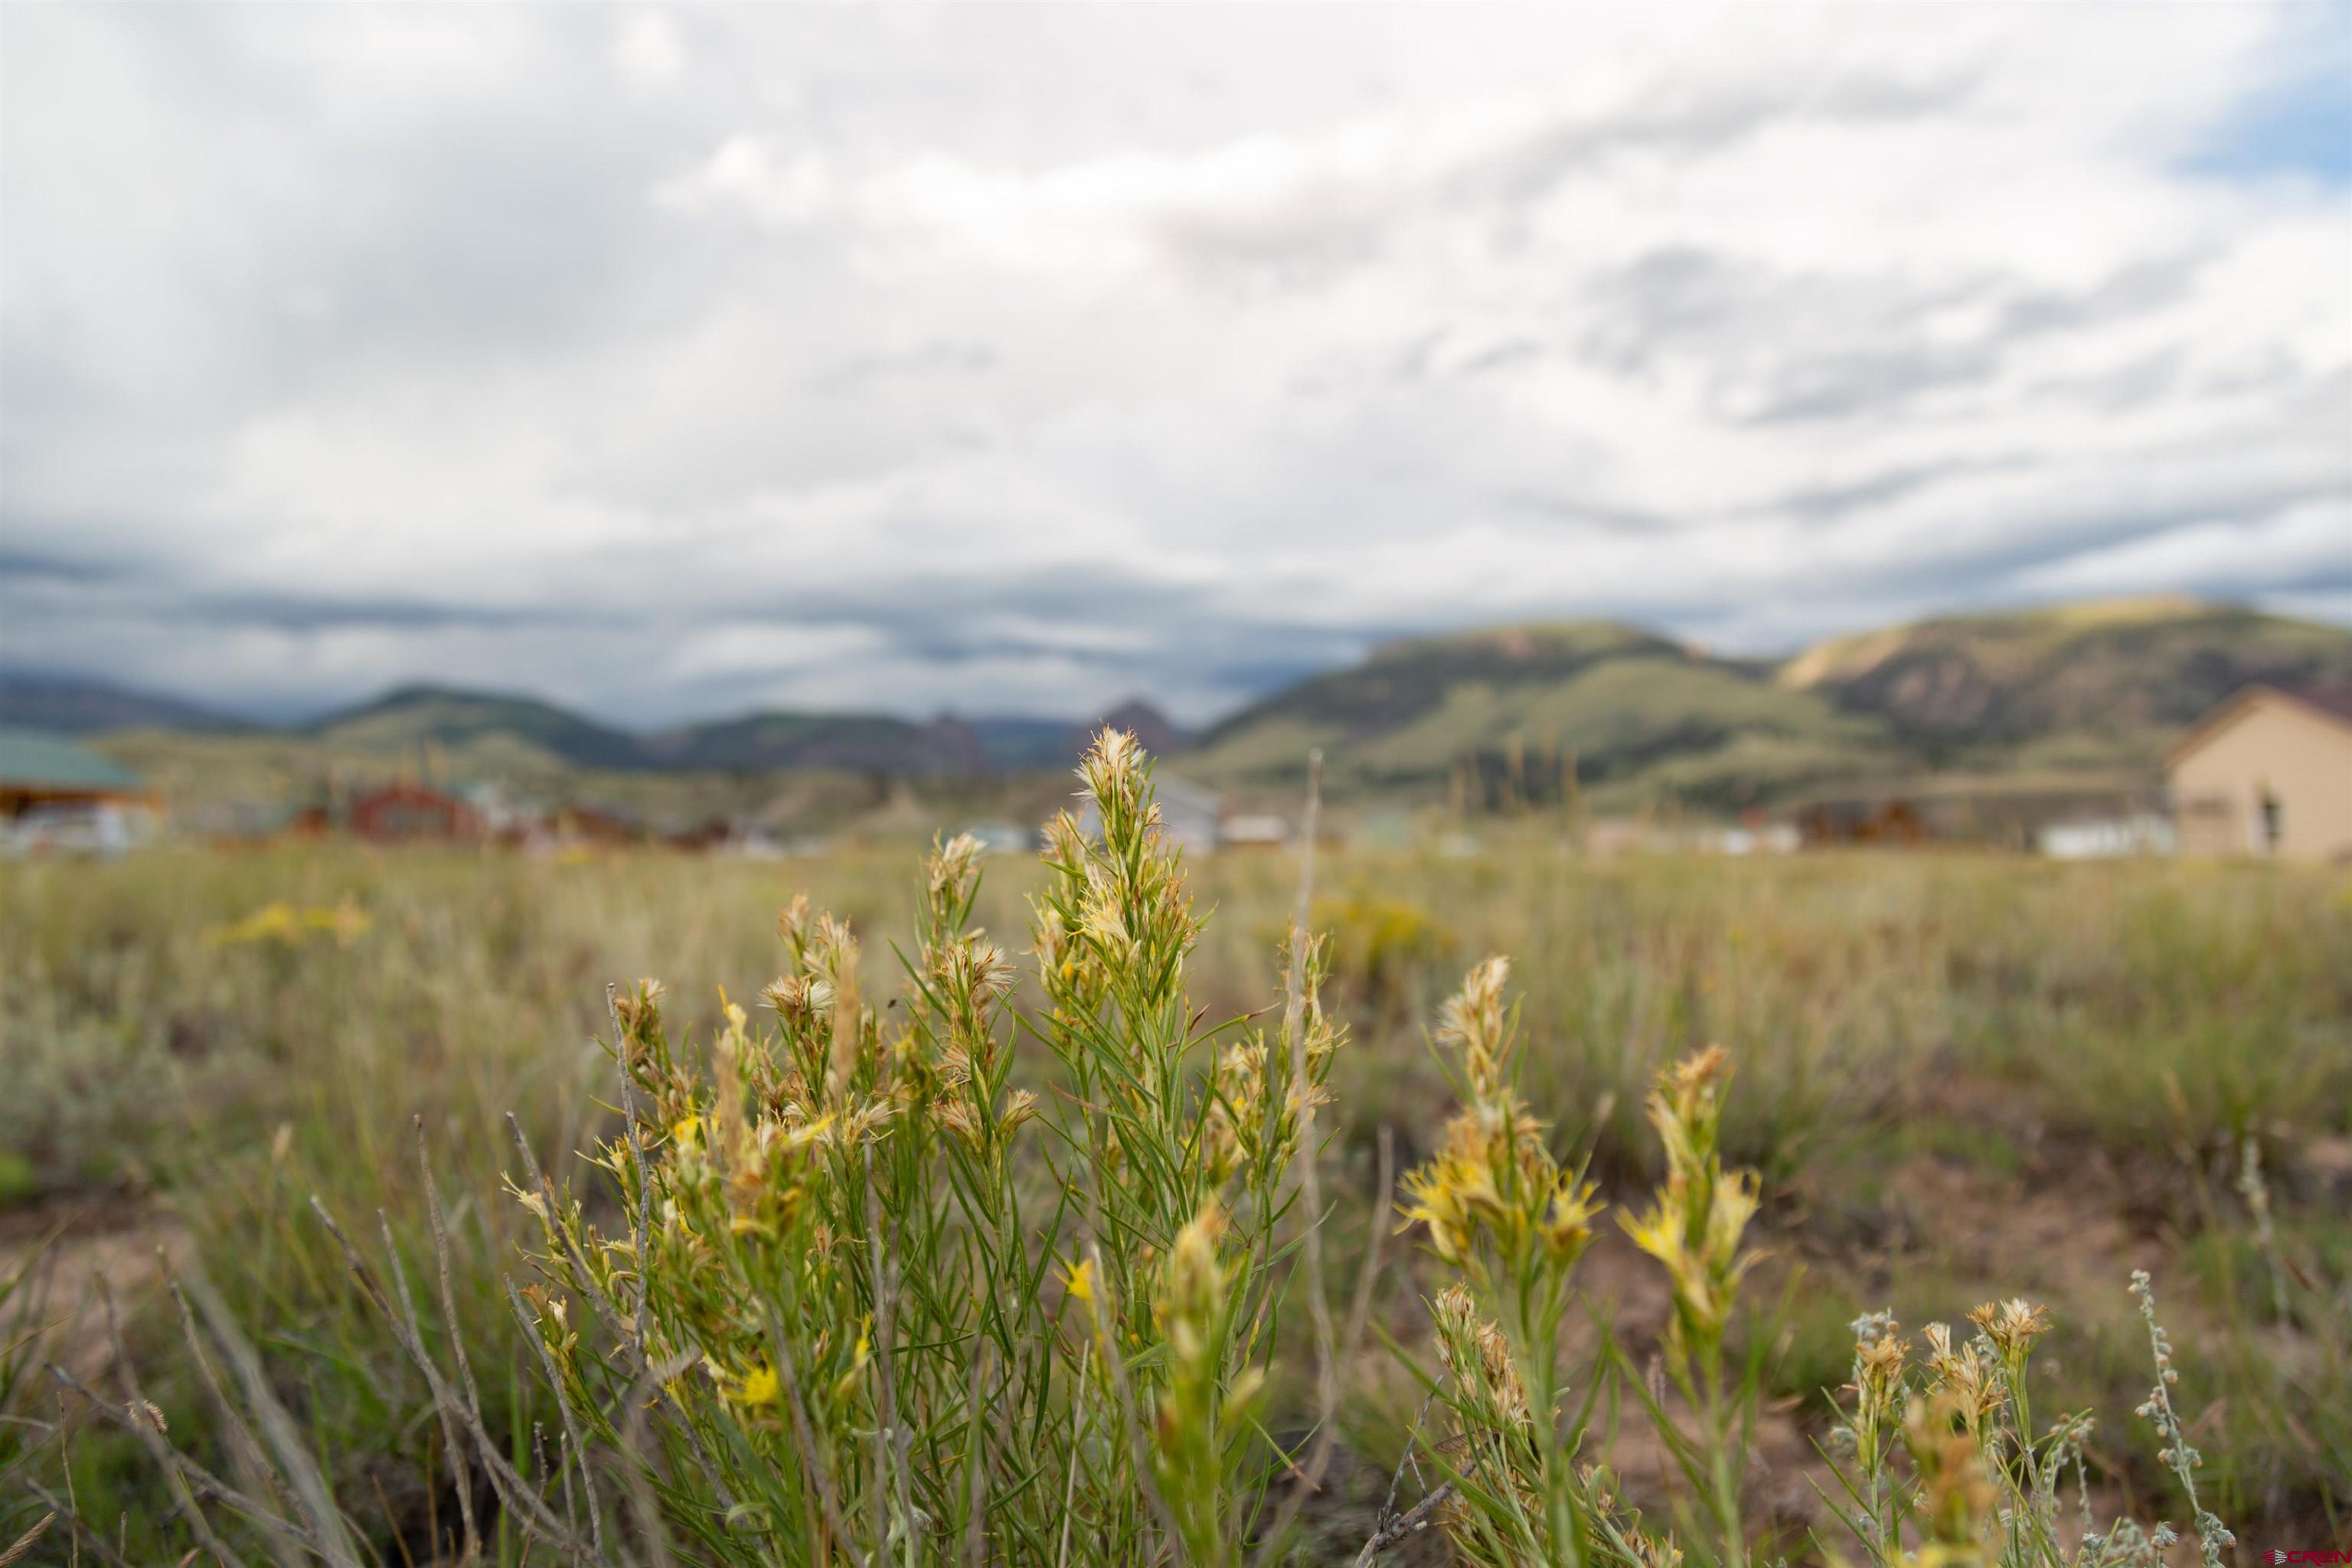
x: 744, y: 171
x: 648, y: 54
x: 669, y: 359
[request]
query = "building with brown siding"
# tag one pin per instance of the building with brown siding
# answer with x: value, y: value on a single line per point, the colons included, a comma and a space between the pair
x: 403, y: 813
x: 38, y: 769
x: 55, y: 794
x: 2268, y: 772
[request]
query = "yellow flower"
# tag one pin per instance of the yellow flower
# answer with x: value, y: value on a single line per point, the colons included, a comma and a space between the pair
x: 859, y: 1355
x: 1078, y: 1284
x: 282, y: 922
x: 1446, y: 1196
x: 347, y: 923
x: 756, y: 1387
x: 1566, y: 1223
x: 272, y: 921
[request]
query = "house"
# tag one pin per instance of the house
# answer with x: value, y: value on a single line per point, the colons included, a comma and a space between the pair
x: 505, y: 817
x: 1829, y: 823
x: 1001, y: 837
x: 406, y: 813
x: 1190, y: 813
x: 57, y: 795
x: 1255, y: 831
x: 2268, y: 772
x: 587, y: 824
x: 706, y: 837
x: 2105, y: 838
x: 1756, y: 838
x: 40, y: 768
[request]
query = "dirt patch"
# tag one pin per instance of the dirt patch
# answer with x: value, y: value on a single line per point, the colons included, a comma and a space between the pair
x: 2070, y: 1238
x: 76, y: 1253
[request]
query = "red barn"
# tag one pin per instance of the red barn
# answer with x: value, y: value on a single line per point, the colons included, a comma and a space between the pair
x: 405, y: 814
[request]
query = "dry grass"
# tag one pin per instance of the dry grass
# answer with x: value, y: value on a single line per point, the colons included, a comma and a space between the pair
x: 1957, y: 1078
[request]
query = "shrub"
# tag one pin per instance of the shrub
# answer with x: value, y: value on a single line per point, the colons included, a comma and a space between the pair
x: 1382, y: 949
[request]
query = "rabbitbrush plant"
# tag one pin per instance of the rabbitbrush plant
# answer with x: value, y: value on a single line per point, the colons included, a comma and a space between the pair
x: 850, y: 1294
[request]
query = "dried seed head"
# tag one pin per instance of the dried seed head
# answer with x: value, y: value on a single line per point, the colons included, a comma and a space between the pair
x: 1477, y: 1357
x: 2013, y: 1326
x: 1113, y: 767
x: 1962, y: 1377
x: 639, y: 1010
x: 957, y: 1117
x: 1020, y: 1106
x: 1691, y: 1083
x: 1472, y: 1021
x: 788, y: 995
x: 976, y: 972
x: 1104, y: 921
x: 1066, y: 846
x: 1236, y: 1122
x: 953, y: 871
x: 1879, y: 1363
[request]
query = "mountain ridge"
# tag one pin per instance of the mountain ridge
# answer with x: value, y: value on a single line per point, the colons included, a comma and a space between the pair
x: 2072, y: 690
x: 78, y: 705
x: 415, y: 715
x: 2075, y: 690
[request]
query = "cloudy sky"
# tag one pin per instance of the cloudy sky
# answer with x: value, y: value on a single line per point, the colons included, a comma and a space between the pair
x: 1015, y: 359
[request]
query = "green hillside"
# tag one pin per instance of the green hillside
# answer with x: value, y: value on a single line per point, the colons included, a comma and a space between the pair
x: 1615, y: 703
x: 863, y: 742
x: 2088, y: 693
x: 409, y: 720
x: 1404, y: 681
x: 405, y: 722
x: 2114, y: 679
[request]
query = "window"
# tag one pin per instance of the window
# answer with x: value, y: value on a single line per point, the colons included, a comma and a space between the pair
x: 2272, y: 823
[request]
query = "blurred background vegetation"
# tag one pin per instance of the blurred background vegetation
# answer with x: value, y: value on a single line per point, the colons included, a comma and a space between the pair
x: 1961, y: 1076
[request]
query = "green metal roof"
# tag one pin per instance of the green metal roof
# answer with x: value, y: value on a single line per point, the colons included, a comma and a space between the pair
x: 40, y: 759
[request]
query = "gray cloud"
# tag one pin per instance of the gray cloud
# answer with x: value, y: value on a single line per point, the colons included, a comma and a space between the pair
x: 25, y: 568
x: 1880, y: 489
x: 1822, y: 345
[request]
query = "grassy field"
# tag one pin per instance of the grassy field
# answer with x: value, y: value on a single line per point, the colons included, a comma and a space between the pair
x: 1959, y: 1079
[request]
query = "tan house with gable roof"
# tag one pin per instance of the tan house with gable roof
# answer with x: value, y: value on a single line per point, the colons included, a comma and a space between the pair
x: 2268, y: 772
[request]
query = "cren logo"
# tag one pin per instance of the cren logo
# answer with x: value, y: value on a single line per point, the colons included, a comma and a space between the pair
x: 2279, y: 1557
